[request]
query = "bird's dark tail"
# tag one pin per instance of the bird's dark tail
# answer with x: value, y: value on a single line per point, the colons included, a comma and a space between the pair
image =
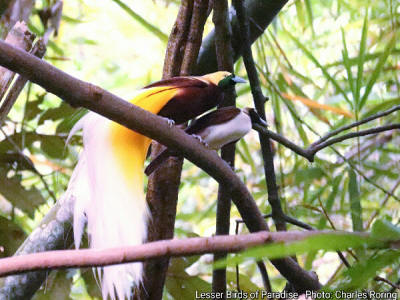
x: 158, y: 161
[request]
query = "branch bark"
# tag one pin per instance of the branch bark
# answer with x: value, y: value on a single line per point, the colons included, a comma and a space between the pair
x: 224, y: 54
x: 310, y: 152
x: 19, y: 36
x: 165, y: 248
x: 16, y: 11
x: 259, y: 101
x: 38, y: 50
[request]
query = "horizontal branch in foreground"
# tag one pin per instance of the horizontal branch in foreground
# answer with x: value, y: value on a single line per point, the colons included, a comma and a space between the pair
x: 166, y: 248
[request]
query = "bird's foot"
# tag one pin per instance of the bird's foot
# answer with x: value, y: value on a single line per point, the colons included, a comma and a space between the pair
x: 200, y: 139
x: 170, y: 122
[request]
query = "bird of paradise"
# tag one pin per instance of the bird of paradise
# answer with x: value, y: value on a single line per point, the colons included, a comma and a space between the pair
x: 107, y: 183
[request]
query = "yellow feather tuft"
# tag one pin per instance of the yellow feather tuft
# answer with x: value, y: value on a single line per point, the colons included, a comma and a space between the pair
x: 216, y: 77
x: 130, y: 148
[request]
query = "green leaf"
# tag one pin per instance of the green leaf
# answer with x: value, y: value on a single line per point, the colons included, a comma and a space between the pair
x: 32, y: 108
x: 245, y: 282
x: 71, y: 20
x: 13, y: 190
x: 382, y: 105
x: 347, y: 64
x: 150, y: 27
x: 384, y: 229
x: 53, y: 146
x: 59, y: 51
x: 377, y: 70
x: 11, y: 237
x: 300, y: 13
x: 22, y: 140
x: 245, y: 154
x: 363, y: 271
x: 16, y: 160
x: 67, y: 123
x: 181, y: 285
x: 58, y: 286
x: 310, y: 15
x: 330, y: 242
x: 62, y: 111
x: 361, y: 60
x: 330, y: 201
x: 84, y: 41
x: 92, y: 285
x: 298, y: 124
x: 308, y: 174
x: 355, y: 202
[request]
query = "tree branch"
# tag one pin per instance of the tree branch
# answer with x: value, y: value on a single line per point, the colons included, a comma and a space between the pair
x: 355, y: 124
x: 165, y: 248
x: 259, y: 101
x: 310, y: 152
x: 223, y: 35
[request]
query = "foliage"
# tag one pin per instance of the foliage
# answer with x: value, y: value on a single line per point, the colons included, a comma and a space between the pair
x: 323, y: 64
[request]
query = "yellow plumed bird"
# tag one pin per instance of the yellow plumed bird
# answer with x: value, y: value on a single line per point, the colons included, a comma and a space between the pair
x: 107, y: 183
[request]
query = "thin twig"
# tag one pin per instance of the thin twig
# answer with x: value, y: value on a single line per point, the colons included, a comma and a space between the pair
x: 352, y: 166
x: 382, y: 204
x: 298, y: 223
x: 355, y: 124
x: 30, y: 164
x: 309, y: 152
x: 317, y: 147
x: 393, y: 285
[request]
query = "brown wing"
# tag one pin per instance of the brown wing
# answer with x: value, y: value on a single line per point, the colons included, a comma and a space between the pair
x: 215, y: 117
x: 194, y: 98
x: 179, y: 82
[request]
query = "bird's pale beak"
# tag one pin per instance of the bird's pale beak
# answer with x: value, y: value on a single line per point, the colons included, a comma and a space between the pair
x: 238, y: 79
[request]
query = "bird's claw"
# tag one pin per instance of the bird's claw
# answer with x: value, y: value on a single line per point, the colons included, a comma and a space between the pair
x: 200, y: 139
x: 170, y: 122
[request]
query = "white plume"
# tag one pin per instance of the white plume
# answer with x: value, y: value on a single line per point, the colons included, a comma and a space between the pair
x: 114, y: 208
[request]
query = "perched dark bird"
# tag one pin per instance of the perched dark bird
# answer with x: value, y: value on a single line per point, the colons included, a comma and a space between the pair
x: 215, y: 129
x: 107, y: 183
